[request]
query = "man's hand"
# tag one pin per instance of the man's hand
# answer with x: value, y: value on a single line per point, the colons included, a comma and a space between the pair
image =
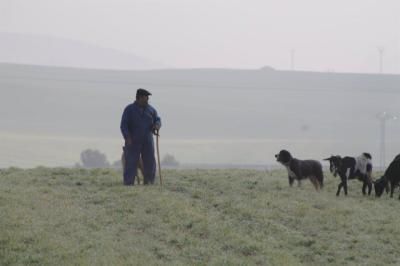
x: 156, y: 126
x: 128, y: 141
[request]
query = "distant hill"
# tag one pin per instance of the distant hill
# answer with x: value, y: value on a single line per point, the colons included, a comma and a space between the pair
x: 53, y: 51
x: 209, y: 115
x: 211, y: 94
x: 214, y: 78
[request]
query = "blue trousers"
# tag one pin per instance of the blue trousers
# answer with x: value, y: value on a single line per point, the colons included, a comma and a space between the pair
x: 132, y: 154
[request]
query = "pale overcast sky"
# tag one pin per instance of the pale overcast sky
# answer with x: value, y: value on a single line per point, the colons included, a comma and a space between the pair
x: 336, y: 35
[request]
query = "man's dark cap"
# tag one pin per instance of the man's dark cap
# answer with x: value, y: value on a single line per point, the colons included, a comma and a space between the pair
x: 142, y: 92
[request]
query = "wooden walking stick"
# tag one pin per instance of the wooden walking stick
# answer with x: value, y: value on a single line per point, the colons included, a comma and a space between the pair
x: 158, y: 155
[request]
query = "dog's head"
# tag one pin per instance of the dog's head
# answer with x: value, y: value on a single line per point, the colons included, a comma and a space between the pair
x: 380, y: 185
x: 367, y: 155
x: 284, y: 157
x: 335, y: 163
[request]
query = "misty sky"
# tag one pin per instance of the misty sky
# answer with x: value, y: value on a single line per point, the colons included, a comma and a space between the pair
x: 341, y: 35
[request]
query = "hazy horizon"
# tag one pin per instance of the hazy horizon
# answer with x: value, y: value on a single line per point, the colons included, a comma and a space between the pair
x: 50, y: 115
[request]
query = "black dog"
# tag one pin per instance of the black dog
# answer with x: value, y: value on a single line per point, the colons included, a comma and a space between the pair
x: 380, y: 185
x: 301, y: 169
x: 352, y: 168
x: 391, y: 176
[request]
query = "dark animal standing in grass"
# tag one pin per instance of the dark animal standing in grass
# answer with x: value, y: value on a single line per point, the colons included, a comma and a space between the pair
x: 301, y: 169
x: 381, y: 185
x: 352, y: 168
x: 390, y: 177
x: 139, y: 166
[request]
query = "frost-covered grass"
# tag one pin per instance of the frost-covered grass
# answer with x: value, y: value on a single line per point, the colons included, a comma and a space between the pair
x: 86, y: 217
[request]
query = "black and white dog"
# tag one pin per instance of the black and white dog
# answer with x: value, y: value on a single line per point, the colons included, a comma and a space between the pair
x: 391, y: 176
x: 301, y: 169
x: 352, y: 168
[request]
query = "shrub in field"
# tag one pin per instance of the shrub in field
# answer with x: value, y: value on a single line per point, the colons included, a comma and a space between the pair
x: 94, y: 159
x: 169, y: 160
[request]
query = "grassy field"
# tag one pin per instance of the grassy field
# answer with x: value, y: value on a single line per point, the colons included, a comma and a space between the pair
x: 214, y: 217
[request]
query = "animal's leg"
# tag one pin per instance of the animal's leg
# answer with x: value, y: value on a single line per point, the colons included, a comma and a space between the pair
x: 314, y: 182
x: 364, y: 187
x: 392, y: 187
x: 291, y: 180
x: 319, y: 185
x: 343, y: 177
x: 339, y: 188
x: 140, y: 167
x: 132, y: 155
x: 320, y: 180
x: 351, y: 172
x: 369, y: 187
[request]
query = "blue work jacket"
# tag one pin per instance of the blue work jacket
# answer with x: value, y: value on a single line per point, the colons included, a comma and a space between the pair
x: 137, y: 122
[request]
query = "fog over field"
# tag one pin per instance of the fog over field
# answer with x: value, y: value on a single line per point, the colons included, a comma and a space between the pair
x: 210, y: 116
x: 233, y: 82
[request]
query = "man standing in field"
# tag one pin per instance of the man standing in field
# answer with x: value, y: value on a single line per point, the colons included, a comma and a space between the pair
x: 138, y: 124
